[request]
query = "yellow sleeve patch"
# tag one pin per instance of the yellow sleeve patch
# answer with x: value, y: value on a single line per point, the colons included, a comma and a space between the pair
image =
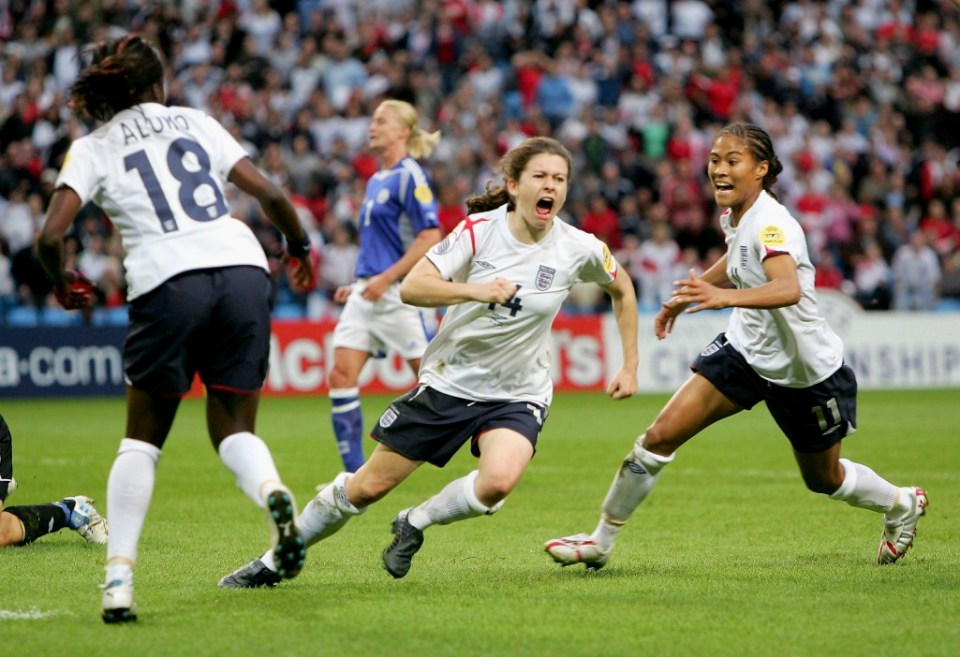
x: 772, y: 236
x: 423, y: 194
x: 609, y: 264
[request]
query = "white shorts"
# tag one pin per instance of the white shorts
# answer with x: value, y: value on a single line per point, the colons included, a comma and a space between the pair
x: 384, y: 325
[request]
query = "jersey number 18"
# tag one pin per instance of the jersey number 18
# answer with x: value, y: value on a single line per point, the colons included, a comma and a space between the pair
x: 192, y: 174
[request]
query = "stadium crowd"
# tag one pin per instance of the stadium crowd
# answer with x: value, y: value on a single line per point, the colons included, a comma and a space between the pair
x: 862, y: 98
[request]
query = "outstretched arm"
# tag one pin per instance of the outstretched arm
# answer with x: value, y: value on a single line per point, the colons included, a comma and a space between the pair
x: 781, y: 289
x: 715, y: 275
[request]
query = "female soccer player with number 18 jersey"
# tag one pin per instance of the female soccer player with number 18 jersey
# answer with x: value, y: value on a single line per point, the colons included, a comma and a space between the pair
x: 199, y: 289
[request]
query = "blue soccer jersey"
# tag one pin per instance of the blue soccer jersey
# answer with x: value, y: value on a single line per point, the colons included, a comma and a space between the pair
x: 397, y: 206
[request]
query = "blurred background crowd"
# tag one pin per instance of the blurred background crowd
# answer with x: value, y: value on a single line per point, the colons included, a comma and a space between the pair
x: 862, y: 98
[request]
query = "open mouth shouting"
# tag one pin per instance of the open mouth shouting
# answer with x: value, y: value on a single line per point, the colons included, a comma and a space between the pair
x: 544, y: 207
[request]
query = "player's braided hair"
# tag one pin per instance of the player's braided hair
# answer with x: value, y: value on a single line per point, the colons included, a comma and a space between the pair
x: 758, y: 142
x: 118, y: 76
x: 511, y: 166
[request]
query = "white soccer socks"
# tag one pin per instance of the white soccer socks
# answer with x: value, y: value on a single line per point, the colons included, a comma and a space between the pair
x: 457, y: 501
x: 250, y: 461
x: 634, y: 480
x: 865, y: 489
x: 129, y: 490
x: 326, y: 513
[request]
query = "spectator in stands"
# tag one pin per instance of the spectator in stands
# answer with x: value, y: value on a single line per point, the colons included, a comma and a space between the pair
x: 338, y: 259
x: 658, y: 256
x: 916, y: 273
x: 828, y: 275
x: 601, y: 220
x: 816, y: 64
x: 938, y: 228
x: 950, y: 281
x: 872, y: 278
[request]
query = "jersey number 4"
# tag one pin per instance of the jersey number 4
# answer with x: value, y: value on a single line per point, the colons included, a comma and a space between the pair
x: 513, y: 304
x: 189, y: 163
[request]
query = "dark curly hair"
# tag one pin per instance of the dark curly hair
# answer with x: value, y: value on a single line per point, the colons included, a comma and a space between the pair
x: 118, y: 76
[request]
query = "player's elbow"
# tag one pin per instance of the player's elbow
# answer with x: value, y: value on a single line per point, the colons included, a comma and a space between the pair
x: 409, y: 291
x: 792, y: 295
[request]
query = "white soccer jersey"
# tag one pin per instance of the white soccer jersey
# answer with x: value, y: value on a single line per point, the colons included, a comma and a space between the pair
x: 791, y: 346
x: 159, y: 175
x: 490, y: 352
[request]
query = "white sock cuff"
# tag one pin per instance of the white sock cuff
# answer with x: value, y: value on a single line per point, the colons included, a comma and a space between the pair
x: 343, y: 393
x: 338, y: 490
x: 134, y: 445
x: 849, y: 480
x: 654, y: 462
x: 469, y: 482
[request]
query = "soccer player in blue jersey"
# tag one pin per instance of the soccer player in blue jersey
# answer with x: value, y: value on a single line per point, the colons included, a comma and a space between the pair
x: 398, y: 224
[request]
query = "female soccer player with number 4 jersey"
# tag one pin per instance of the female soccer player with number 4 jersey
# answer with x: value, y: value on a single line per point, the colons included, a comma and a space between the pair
x: 199, y: 288
x: 485, y: 378
x: 776, y: 349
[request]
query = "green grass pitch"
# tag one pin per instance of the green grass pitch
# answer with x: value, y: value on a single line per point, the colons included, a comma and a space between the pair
x: 730, y: 555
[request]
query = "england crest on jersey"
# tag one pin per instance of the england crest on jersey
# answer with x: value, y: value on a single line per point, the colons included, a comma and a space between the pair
x: 545, y: 277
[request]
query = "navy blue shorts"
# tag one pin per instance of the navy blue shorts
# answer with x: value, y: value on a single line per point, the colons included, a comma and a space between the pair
x: 427, y: 425
x: 814, y: 418
x: 215, y: 322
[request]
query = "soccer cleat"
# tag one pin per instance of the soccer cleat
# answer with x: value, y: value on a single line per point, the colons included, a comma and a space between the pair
x: 407, y: 540
x: 579, y: 548
x: 254, y: 575
x: 898, y: 538
x: 118, y: 605
x: 289, y: 549
x: 86, y: 521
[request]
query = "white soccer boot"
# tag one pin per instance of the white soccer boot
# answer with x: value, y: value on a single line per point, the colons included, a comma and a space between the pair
x: 117, y: 599
x: 87, y: 521
x: 897, y: 538
x: 579, y: 548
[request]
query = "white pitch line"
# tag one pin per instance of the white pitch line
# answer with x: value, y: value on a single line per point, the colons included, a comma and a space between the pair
x: 30, y: 614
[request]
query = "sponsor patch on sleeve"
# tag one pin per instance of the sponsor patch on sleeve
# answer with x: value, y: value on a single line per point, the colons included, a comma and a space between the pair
x: 609, y: 263
x: 423, y: 194
x: 772, y: 236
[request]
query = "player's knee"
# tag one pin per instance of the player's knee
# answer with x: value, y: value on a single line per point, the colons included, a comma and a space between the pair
x: 492, y: 489
x: 11, y: 531
x: 818, y: 483
x: 483, y: 497
x: 656, y: 439
x: 340, y: 378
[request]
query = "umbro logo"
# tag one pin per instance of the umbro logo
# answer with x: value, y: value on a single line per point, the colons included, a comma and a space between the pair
x: 483, y: 264
x: 636, y: 468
